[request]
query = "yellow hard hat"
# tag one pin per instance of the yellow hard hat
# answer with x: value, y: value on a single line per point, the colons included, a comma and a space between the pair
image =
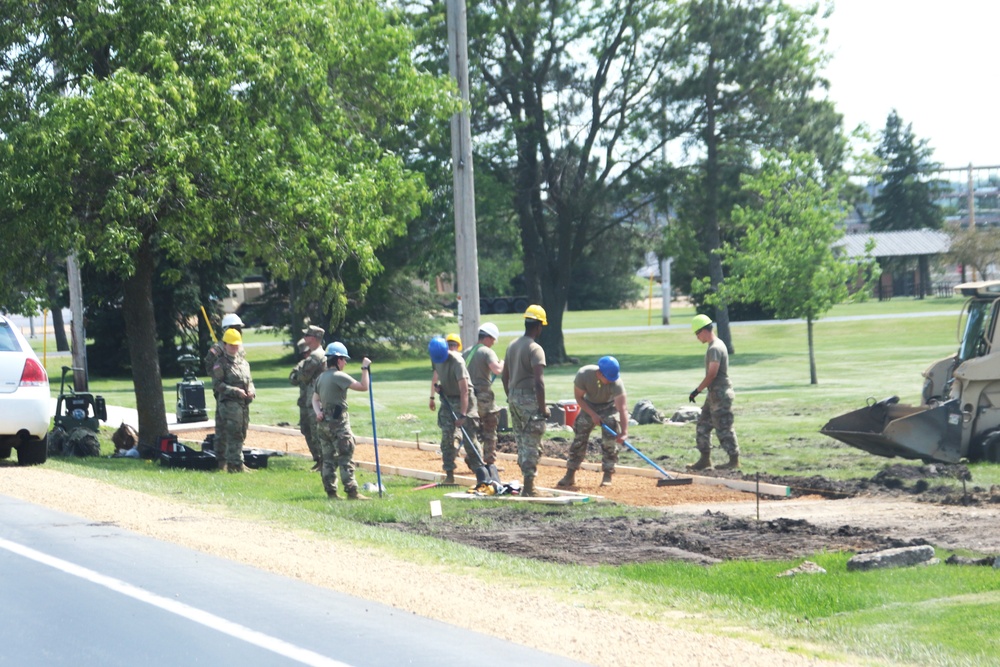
x: 232, y: 336
x: 536, y: 313
x: 454, y: 338
x: 699, y: 322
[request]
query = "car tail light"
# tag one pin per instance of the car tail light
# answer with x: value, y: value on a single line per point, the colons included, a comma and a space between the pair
x: 33, y: 374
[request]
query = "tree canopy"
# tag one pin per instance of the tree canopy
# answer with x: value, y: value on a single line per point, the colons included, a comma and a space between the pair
x: 906, y: 197
x: 149, y: 129
x: 564, y: 113
x: 746, y: 78
x: 786, y: 258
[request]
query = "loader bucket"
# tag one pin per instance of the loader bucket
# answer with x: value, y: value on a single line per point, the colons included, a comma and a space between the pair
x: 889, y: 429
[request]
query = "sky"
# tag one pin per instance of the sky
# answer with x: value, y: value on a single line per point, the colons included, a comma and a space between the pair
x: 934, y: 62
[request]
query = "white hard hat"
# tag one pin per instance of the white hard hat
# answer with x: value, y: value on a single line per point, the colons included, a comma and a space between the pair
x: 490, y: 330
x: 231, y: 320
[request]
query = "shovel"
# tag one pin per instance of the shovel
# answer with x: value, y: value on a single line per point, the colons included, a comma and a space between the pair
x: 484, y: 473
x: 668, y: 479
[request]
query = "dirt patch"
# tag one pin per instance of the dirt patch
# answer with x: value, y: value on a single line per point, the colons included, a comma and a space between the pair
x: 705, y: 539
x: 901, y: 505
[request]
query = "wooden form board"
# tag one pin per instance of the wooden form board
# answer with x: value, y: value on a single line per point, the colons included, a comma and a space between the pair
x: 552, y: 500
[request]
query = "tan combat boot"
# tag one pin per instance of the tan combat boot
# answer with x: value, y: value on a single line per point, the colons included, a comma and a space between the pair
x: 528, y: 489
x: 732, y: 464
x: 606, y: 479
x: 569, y: 479
x: 703, y: 463
x: 449, y: 478
x: 352, y: 494
x: 332, y: 495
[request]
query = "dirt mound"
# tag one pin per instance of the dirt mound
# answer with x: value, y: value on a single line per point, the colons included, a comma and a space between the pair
x: 704, y: 539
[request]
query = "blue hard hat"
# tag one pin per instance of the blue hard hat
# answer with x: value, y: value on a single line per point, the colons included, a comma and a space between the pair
x: 337, y: 349
x: 438, y: 349
x: 609, y: 368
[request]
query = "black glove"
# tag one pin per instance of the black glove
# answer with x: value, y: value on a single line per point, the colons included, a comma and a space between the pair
x: 693, y: 395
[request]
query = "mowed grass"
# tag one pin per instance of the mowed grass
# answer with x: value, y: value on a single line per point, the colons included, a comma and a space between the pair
x: 933, y: 615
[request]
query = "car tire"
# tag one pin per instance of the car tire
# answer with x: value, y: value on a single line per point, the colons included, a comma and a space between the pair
x: 33, y: 452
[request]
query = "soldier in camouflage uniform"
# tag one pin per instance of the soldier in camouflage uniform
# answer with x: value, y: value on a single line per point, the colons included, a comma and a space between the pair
x: 717, y: 412
x: 333, y: 426
x: 484, y: 366
x: 458, y: 403
x: 305, y: 375
x: 229, y: 321
x: 234, y: 391
x: 524, y: 384
x: 600, y: 393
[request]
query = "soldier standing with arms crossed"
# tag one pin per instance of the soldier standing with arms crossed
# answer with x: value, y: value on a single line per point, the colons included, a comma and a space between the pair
x: 600, y: 393
x: 305, y: 375
x: 484, y: 366
x: 333, y: 427
x: 234, y: 391
x: 524, y: 384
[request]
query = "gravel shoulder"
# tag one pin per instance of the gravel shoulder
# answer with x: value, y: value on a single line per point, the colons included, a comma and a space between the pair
x: 539, y: 618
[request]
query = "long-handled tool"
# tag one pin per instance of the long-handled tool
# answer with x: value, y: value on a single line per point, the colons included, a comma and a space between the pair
x: 484, y: 473
x: 668, y: 479
x: 371, y: 402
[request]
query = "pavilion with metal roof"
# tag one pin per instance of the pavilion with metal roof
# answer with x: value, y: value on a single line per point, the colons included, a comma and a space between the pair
x: 893, y: 251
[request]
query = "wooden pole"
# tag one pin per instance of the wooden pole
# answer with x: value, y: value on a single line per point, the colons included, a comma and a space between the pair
x: 466, y: 252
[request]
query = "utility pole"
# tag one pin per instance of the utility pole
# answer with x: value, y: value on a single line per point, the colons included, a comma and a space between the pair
x: 666, y: 265
x: 79, y: 335
x: 972, y: 201
x: 466, y: 252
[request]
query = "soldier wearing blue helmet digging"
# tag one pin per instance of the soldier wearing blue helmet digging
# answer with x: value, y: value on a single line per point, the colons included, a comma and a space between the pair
x: 458, y: 402
x: 600, y: 393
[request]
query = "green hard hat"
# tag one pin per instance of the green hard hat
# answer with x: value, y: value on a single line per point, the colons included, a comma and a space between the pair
x: 699, y: 322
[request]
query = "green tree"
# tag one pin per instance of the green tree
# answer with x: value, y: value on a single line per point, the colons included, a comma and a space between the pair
x: 976, y: 248
x: 786, y: 259
x: 149, y: 128
x: 906, y: 198
x: 564, y: 118
x: 747, y: 76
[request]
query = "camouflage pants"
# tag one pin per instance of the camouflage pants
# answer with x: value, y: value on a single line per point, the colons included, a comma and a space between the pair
x: 488, y: 420
x: 450, y: 433
x: 581, y: 436
x: 336, y: 443
x: 717, y: 413
x: 529, y: 426
x: 307, y: 427
x: 231, y: 420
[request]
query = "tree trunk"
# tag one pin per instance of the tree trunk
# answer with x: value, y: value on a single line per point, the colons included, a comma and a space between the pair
x: 712, y: 205
x: 812, y: 352
x: 140, y: 328
x: 58, y: 324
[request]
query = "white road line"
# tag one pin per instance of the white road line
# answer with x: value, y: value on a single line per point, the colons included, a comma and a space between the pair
x: 283, y: 648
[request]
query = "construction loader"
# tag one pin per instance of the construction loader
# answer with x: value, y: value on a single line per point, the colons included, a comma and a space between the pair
x: 960, y: 414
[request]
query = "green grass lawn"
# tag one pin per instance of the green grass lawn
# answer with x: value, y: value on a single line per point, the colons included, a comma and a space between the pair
x: 934, y: 615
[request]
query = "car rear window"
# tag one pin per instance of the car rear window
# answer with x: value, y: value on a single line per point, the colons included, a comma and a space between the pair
x: 8, y: 343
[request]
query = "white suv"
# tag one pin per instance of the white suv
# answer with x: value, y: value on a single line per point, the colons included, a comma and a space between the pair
x: 25, y: 404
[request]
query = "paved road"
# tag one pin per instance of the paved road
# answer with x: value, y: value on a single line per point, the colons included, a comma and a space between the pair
x: 79, y: 593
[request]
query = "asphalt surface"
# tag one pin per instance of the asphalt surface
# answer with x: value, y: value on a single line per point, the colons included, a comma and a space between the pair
x: 79, y: 593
